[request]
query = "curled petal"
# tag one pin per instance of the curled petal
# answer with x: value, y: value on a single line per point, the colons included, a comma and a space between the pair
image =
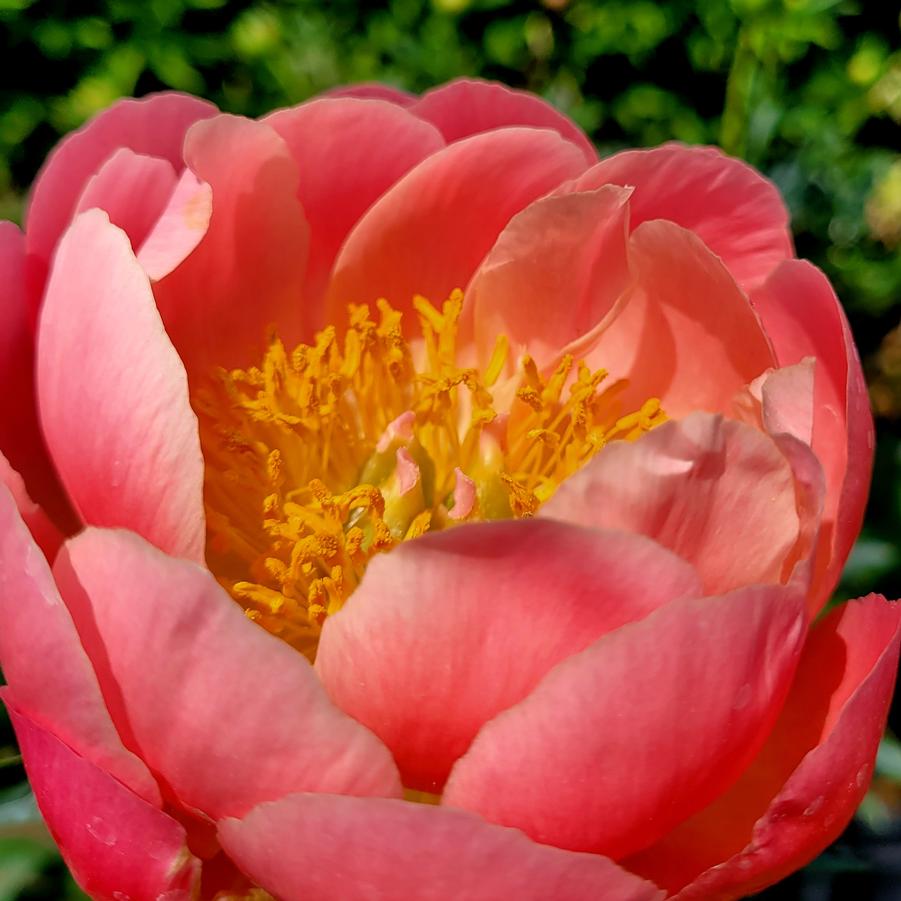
x: 781, y: 401
x: 409, y: 851
x: 153, y: 126
x: 180, y: 227
x: 247, y: 272
x: 733, y: 209
x: 686, y: 332
x: 555, y: 272
x: 122, y: 434
x: 133, y: 190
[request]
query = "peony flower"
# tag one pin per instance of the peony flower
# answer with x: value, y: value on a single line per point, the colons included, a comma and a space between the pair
x: 427, y: 509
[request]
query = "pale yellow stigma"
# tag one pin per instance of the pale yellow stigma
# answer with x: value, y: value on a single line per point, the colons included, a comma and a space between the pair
x: 333, y: 452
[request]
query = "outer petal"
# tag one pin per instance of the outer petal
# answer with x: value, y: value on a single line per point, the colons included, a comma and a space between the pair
x: 345, y: 165
x: 804, y: 318
x: 122, y: 432
x: 229, y: 715
x: 554, y: 273
x: 47, y: 536
x: 372, y: 90
x: 133, y: 190
x: 20, y: 435
x: 447, y: 631
x: 116, y: 844
x: 50, y: 679
x: 639, y: 701
x: 812, y: 773
x: 428, y: 234
x: 392, y: 849
x: 44, y: 664
x: 154, y: 126
x: 247, y: 272
x: 469, y: 106
x: 736, y: 212
x: 686, y: 333
x: 683, y: 485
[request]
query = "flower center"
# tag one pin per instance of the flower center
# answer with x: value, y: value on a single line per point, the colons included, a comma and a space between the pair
x: 333, y: 452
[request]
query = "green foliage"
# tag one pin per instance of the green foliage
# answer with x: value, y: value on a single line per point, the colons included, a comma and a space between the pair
x: 809, y: 91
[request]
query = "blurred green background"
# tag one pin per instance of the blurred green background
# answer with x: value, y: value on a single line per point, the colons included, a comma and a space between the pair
x: 809, y: 91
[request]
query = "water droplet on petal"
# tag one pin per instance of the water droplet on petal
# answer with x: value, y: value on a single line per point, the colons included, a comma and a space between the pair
x: 102, y: 831
x: 813, y: 807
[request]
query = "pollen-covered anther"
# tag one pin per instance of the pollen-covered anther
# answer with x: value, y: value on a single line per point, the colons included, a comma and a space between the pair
x: 327, y: 454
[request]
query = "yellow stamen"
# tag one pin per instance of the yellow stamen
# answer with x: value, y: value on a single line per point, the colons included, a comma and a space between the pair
x: 328, y: 454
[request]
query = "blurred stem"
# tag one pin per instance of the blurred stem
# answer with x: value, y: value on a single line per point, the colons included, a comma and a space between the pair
x: 740, y: 86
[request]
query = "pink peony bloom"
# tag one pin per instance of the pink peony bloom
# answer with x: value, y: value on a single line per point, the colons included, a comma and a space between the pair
x: 427, y: 509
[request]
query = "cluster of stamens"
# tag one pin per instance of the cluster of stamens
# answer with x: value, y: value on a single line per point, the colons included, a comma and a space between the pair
x: 335, y: 451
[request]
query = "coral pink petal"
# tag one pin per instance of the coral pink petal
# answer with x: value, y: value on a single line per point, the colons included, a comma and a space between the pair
x: 428, y: 233
x: 47, y: 536
x: 372, y: 90
x: 469, y: 106
x: 447, y: 631
x: 786, y: 397
x: 115, y: 844
x: 247, y: 272
x: 810, y: 491
x: 554, y: 273
x: 334, y: 848
x: 227, y: 714
x: 44, y: 664
x: 802, y: 789
x: 780, y: 403
x: 681, y: 485
x: 642, y: 701
x: 153, y: 126
x: 804, y: 318
x: 113, y: 394
x: 345, y: 165
x: 132, y: 189
x: 686, y: 334
x: 735, y: 211
x: 180, y: 227
x: 21, y: 441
